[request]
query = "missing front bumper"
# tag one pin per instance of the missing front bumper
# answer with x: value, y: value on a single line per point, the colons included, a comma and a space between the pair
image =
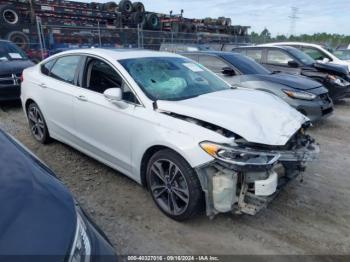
x: 247, y: 192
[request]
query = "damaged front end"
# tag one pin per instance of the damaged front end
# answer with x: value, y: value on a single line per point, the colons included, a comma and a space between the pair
x: 245, y: 177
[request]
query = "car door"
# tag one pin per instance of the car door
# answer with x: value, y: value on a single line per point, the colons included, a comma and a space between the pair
x: 277, y: 60
x: 58, y: 83
x: 103, y: 129
x: 216, y: 64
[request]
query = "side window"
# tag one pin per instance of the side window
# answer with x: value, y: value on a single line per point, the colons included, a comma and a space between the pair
x: 240, y: 51
x: 255, y: 54
x: 314, y: 53
x: 45, y: 68
x: 213, y: 63
x: 65, y: 68
x: 100, y: 76
x: 193, y: 57
x: 278, y: 57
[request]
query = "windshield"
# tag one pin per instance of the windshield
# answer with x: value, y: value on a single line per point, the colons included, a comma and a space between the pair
x: 9, y: 51
x: 301, y: 56
x: 246, y: 65
x: 342, y: 54
x: 172, y: 78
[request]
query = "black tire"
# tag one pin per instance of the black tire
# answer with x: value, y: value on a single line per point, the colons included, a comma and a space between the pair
x: 19, y: 38
x: 138, y: 18
x: 110, y: 6
x: 36, y: 123
x: 184, y: 178
x: 9, y: 17
x: 125, y: 6
x: 138, y: 7
x: 152, y: 21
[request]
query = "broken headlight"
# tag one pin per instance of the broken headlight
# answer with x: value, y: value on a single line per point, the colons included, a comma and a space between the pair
x: 300, y: 95
x: 81, y: 249
x: 239, y: 156
x: 338, y: 81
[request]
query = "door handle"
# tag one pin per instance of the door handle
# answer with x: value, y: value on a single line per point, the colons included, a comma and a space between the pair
x: 82, y: 98
x: 42, y: 85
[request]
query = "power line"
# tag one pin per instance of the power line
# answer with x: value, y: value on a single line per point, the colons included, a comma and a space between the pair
x: 293, y: 19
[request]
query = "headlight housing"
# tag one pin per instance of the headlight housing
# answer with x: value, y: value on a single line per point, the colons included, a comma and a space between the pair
x: 338, y: 81
x: 81, y: 248
x: 238, y: 156
x: 300, y: 95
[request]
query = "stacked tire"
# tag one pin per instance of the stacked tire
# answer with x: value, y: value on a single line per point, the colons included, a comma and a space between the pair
x: 10, y: 24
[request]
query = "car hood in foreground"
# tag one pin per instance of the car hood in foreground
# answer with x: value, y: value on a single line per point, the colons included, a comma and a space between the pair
x: 14, y: 66
x: 292, y: 81
x: 256, y: 116
x: 37, y: 212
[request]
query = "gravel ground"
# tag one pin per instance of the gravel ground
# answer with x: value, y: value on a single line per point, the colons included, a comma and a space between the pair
x: 311, y: 217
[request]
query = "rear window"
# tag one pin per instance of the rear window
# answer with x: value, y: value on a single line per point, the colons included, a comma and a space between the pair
x: 9, y: 51
x: 65, y: 68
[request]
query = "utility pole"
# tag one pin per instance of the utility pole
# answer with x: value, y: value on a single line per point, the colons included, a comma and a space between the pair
x: 293, y: 19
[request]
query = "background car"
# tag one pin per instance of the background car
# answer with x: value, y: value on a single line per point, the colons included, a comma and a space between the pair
x: 12, y: 62
x: 41, y: 219
x: 343, y: 54
x: 335, y: 78
x: 307, y: 96
x: 319, y: 53
x: 171, y: 125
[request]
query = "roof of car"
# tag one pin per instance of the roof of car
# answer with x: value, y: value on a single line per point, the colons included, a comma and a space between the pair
x: 210, y: 52
x: 119, y: 54
x: 287, y: 48
x: 291, y: 43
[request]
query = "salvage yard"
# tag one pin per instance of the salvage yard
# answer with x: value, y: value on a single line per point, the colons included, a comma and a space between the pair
x: 311, y: 217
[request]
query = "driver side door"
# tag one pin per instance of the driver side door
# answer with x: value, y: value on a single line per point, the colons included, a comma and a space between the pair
x: 103, y: 129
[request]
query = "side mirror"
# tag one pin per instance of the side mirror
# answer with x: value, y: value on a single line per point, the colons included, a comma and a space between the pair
x: 113, y: 94
x: 228, y: 71
x: 325, y: 60
x: 293, y: 64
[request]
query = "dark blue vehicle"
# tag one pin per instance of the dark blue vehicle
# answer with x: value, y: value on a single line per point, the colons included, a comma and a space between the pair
x: 39, y: 219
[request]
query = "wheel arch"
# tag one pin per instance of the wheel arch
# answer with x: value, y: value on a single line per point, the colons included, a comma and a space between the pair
x: 147, y: 156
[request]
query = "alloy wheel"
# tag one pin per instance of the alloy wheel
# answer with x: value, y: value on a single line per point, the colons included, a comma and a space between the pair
x: 36, y: 123
x: 169, y: 187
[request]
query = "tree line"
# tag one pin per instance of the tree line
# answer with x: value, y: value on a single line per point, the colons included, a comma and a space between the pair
x: 330, y: 40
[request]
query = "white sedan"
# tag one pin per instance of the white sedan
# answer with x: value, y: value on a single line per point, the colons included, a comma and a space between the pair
x: 171, y: 125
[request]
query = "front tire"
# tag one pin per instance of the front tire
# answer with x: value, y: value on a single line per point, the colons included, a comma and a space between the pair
x: 174, y: 185
x: 37, y: 124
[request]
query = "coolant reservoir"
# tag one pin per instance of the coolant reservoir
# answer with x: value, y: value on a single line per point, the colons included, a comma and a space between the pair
x: 224, y: 192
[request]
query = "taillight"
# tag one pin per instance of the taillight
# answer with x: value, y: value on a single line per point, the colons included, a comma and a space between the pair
x: 21, y: 78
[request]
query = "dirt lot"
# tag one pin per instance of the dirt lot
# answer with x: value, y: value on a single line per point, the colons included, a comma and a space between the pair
x: 307, y: 218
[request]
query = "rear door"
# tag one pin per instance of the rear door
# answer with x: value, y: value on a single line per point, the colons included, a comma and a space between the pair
x: 58, y: 83
x: 103, y: 129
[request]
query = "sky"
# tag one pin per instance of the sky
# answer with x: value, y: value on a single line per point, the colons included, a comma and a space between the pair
x: 314, y: 16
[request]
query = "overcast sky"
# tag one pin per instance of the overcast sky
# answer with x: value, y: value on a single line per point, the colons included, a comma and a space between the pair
x: 332, y: 16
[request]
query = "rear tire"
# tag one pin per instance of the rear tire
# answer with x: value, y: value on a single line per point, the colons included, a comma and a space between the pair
x: 174, y: 185
x: 37, y: 124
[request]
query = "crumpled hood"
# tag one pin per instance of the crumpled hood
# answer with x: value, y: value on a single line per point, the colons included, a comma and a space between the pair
x: 329, y: 67
x: 256, y: 116
x: 293, y: 81
x: 14, y: 66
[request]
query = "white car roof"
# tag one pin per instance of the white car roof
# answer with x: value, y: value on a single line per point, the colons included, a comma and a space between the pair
x: 291, y: 43
x: 119, y: 54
